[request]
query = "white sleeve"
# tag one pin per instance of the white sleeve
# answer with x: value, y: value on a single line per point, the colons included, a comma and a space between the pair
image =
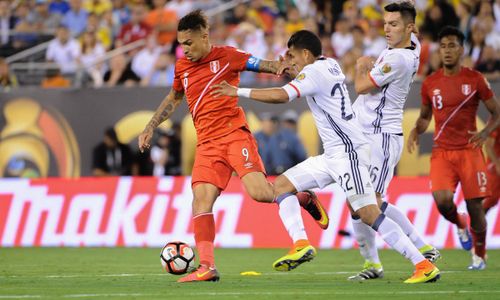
x: 49, y: 55
x: 303, y: 85
x: 390, y: 68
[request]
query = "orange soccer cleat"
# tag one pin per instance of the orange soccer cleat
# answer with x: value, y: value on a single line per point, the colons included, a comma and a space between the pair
x: 425, y: 271
x: 309, y: 201
x: 203, y: 273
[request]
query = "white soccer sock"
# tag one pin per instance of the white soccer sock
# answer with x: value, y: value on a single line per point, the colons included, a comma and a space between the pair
x: 401, y: 219
x: 365, y: 236
x: 290, y: 214
x: 394, y: 236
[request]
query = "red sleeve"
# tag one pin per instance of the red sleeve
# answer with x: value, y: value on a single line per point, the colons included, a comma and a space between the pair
x: 177, y: 85
x: 237, y: 58
x: 426, y: 100
x: 484, y: 88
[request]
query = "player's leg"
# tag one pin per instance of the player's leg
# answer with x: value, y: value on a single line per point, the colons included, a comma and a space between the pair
x: 210, y: 176
x: 494, y: 183
x: 243, y: 155
x: 363, y: 201
x: 204, y: 196
x: 444, y: 179
x: 474, y: 182
x: 392, y: 234
x: 478, y: 231
x: 309, y: 174
x: 385, y: 153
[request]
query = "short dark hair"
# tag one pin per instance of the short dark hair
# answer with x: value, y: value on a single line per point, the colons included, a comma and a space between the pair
x: 305, y: 39
x: 405, y: 8
x: 195, y: 20
x: 452, y: 31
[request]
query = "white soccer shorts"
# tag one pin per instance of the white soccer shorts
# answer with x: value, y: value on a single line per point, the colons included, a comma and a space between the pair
x: 350, y: 170
x: 386, y: 151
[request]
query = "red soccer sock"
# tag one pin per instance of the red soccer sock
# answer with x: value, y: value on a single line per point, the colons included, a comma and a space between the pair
x: 204, y: 235
x: 452, y: 216
x: 479, y: 240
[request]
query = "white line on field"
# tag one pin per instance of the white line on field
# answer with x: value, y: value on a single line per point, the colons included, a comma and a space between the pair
x: 164, y: 274
x: 19, y: 296
x: 291, y: 293
x: 284, y: 293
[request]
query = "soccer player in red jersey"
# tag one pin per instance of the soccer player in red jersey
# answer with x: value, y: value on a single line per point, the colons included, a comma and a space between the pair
x: 225, y: 143
x: 453, y: 94
x: 492, y: 147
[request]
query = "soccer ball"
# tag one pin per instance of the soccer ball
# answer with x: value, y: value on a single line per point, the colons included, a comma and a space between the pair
x: 177, y: 258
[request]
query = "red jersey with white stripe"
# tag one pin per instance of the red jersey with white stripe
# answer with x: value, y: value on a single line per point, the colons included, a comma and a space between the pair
x: 454, y: 100
x: 212, y: 116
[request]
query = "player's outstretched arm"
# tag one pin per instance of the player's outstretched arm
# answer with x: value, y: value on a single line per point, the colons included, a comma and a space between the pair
x: 163, y: 112
x: 479, y: 138
x: 270, y: 95
x: 421, y: 125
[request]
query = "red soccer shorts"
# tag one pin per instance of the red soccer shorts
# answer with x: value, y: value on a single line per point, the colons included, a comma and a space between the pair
x: 467, y: 166
x: 216, y: 159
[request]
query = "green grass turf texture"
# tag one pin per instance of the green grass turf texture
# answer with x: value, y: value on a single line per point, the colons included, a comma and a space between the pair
x: 135, y: 273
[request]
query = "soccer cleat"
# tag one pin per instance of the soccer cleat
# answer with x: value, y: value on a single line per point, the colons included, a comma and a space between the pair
x: 425, y: 271
x: 477, y: 264
x: 370, y: 271
x: 309, y: 201
x: 202, y: 273
x: 464, y: 234
x: 294, y: 258
x: 430, y: 253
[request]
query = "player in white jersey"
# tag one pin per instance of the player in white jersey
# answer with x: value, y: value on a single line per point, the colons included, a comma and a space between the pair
x: 345, y: 159
x: 383, y: 87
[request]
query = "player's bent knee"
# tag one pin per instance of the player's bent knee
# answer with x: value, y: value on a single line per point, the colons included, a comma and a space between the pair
x: 365, y: 206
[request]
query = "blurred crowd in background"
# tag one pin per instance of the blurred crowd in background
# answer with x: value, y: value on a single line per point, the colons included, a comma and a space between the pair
x: 83, y: 37
x: 85, y: 30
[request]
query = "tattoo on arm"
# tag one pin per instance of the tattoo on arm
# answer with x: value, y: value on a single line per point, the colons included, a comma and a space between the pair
x: 166, y: 108
x: 268, y: 66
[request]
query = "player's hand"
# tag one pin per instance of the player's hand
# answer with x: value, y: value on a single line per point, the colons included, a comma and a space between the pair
x: 412, y: 143
x: 144, y: 139
x: 222, y: 89
x: 282, y: 66
x: 478, y: 138
x: 364, y: 64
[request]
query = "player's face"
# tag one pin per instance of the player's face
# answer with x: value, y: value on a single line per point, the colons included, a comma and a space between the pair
x: 194, y: 43
x: 450, y: 51
x: 396, y: 31
x: 297, y: 58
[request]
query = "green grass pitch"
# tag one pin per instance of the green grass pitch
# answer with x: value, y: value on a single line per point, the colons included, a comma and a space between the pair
x: 135, y: 273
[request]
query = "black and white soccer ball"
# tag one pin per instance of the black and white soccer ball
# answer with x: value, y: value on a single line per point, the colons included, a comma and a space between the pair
x: 177, y: 258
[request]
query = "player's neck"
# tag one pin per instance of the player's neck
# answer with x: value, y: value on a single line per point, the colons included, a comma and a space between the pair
x: 451, y: 71
x: 206, y: 52
x: 404, y: 43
